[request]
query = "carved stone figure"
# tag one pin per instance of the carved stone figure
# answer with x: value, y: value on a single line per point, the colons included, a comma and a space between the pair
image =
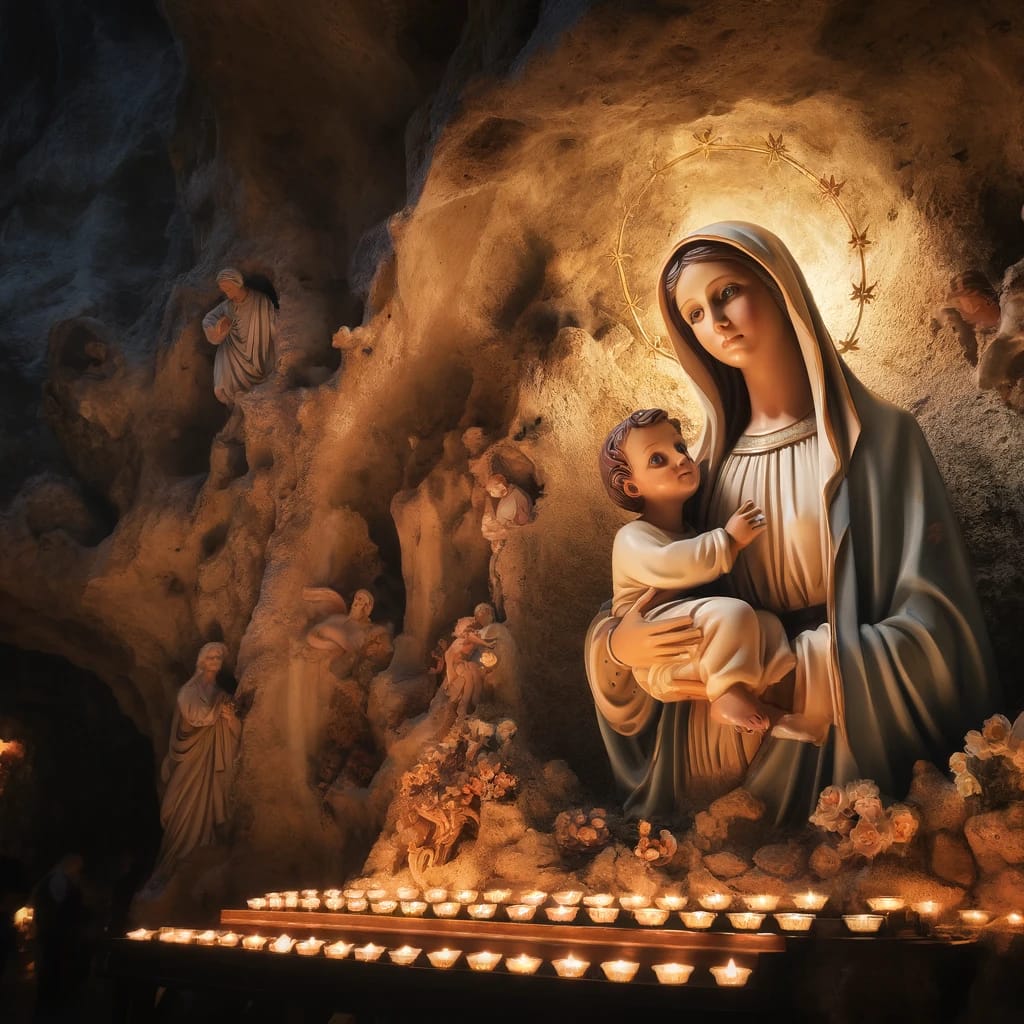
x: 197, y: 771
x: 342, y: 631
x: 510, y: 506
x: 885, y: 616
x: 464, y: 676
x: 1001, y: 365
x: 242, y: 328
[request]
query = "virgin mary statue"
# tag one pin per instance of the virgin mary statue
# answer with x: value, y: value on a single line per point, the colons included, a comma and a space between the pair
x: 863, y: 559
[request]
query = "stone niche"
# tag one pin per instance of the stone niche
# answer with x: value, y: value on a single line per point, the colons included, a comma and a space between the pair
x: 482, y: 196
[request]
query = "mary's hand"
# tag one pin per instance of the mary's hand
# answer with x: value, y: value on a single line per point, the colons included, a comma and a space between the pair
x: 641, y: 644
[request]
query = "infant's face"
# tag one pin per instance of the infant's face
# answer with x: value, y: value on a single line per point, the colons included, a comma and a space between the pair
x: 660, y: 466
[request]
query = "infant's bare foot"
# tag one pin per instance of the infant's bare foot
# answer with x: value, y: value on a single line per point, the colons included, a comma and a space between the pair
x: 739, y: 708
x: 793, y: 727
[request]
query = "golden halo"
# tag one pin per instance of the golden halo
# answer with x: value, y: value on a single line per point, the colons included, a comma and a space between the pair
x: 774, y: 149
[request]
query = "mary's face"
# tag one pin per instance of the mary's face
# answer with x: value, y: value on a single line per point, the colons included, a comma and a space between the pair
x: 213, y: 661
x: 731, y: 312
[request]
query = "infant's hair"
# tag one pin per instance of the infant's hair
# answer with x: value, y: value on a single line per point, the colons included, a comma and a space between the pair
x: 464, y: 625
x: 972, y: 281
x: 614, y: 466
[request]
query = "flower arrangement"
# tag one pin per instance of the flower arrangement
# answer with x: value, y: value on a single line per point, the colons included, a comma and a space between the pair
x: 863, y: 826
x: 991, y: 765
x: 578, y: 831
x: 655, y: 852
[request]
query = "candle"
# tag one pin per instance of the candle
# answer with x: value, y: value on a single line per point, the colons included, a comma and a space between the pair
x: 291, y: 899
x: 763, y: 902
x: 497, y: 895
x: 405, y: 956
x: 651, y: 917
x: 633, y: 901
x: 369, y: 953
x: 254, y: 942
x: 384, y: 906
x: 275, y: 902
x: 1014, y: 919
x: 975, y: 918
x: 229, y: 939
x: 338, y: 950
x: 483, y: 961
x: 207, y: 938
x: 141, y: 935
x: 166, y: 935
x: 927, y: 908
x: 670, y: 902
x: 376, y: 893
x: 466, y: 895
x: 482, y: 911
x: 886, y: 904
x: 747, y: 921
x: 309, y: 947
x: 673, y: 974
x: 449, y: 909
x: 570, y: 967
x: 620, y: 970
x: 810, y: 900
x: 273, y: 896
x: 282, y: 944
x: 414, y: 908
x: 714, y: 900
x: 603, y: 915
x: 795, y: 922
x: 354, y: 894
x: 444, y: 958
x: 331, y: 894
x: 310, y: 902
x: 567, y: 897
x: 522, y: 964
x: 357, y: 905
x: 863, y: 923
x: 698, y: 919
x: 599, y: 899
x: 520, y: 911
x: 407, y: 892
x: 562, y: 915
x: 308, y: 894
x: 436, y: 895
x: 257, y: 903
x: 334, y: 903
x: 533, y: 898
x: 184, y: 935
x: 731, y: 976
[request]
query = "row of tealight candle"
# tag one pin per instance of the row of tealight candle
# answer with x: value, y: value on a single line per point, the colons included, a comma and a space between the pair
x: 727, y: 975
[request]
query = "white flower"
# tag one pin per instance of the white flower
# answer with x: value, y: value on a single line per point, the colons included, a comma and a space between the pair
x: 958, y: 763
x: 833, y: 806
x: 996, y: 732
x: 869, y: 808
x: 859, y: 789
x: 967, y: 785
x: 870, y: 838
x: 506, y: 730
x: 904, y: 823
x: 977, y: 746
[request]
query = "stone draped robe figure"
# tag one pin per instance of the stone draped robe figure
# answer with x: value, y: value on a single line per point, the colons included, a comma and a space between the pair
x: 198, y: 768
x: 863, y: 559
x: 242, y: 328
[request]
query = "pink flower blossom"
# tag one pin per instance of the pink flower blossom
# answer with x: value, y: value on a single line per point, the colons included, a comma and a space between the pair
x: 977, y: 746
x: 870, y: 838
x: 833, y: 806
x: 904, y: 823
x: 870, y: 808
x: 859, y: 789
x: 996, y: 732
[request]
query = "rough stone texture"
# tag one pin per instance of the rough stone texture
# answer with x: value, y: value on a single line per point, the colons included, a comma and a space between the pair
x: 1003, y: 891
x: 997, y: 838
x: 453, y: 177
x: 951, y: 859
x: 934, y: 795
x: 786, y: 860
x: 725, y: 864
x: 825, y: 861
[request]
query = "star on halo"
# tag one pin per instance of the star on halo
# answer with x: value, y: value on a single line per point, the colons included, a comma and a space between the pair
x: 829, y: 187
x: 860, y: 240
x: 776, y: 148
x: 706, y: 140
x: 864, y: 292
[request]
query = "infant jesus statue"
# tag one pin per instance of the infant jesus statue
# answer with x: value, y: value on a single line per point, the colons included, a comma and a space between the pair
x: 742, y: 651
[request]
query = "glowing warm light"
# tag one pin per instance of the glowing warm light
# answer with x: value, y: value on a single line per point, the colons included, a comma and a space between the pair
x: 291, y: 899
x: 697, y: 919
x: 672, y: 974
x: 407, y: 892
x: 384, y: 906
x: 795, y: 922
x: 207, y: 938
x: 449, y: 909
x: 975, y: 918
x: 404, y: 956
x: 308, y: 894
x: 1015, y: 919
x: 331, y: 894
x: 533, y: 898
x: 520, y: 911
x: 522, y: 964
x: 714, y: 900
x: 436, y: 895
x: 309, y: 947
x: 747, y: 921
x: 620, y: 970
x: 497, y: 895
x: 650, y: 917
x: 310, y: 902
x: 633, y: 901
x: 184, y: 935
x: 338, y: 950
x: 886, y: 904
x: 482, y: 911
x: 763, y: 902
x: 167, y: 935
x: 357, y: 906
x: 376, y: 894
x: 282, y: 944
x: 561, y: 915
x: 414, y: 908
x: 334, y: 903
x: 466, y: 895
x: 483, y: 961
x: 354, y: 894
x: 257, y: 903
x: 274, y: 896
x: 275, y: 902
x: 254, y: 942
x: 599, y: 899
x: 927, y: 908
x: 731, y: 976
x: 137, y: 935
x: 863, y: 923
x: 810, y: 900
x: 603, y: 915
x: 23, y: 917
x: 567, y: 897
x: 444, y: 958
x: 570, y: 967
x: 368, y: 953
x: 229, y: 939
x: 670, y: 902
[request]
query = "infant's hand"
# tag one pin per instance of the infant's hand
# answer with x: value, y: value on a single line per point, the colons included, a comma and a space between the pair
x: 746, y: 524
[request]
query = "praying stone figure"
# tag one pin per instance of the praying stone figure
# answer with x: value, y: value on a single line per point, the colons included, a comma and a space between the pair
x: 242, y: 328
x: 510, y: 506
x: 197, y: 771
x: 343, y: 631
x: 467, y: 660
